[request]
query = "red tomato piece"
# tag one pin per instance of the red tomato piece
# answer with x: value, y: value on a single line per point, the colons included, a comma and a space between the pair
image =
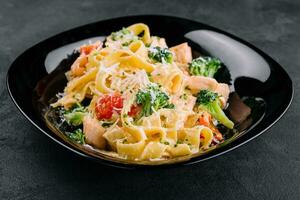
x: 107, y: 104
x: 134, y: 110
x: 87, y: 49
x: 117, y: 102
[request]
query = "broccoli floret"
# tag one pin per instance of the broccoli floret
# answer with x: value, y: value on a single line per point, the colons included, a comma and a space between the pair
x: 162, y: 55
x: 210, y: 102
x: 125, y: 35
x: 75, y: 115
x: 204, y: 66
x: 119, y: 34
x: 152, y: 99
x: 77, y: 136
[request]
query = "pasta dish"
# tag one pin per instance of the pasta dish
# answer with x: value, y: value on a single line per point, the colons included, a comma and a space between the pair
x: 136, y: 98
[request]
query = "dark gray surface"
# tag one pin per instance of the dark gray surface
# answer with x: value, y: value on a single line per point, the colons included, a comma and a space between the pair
x: 34, y: 167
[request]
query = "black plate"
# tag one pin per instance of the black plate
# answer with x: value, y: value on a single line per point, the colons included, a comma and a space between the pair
x: 253, y: 73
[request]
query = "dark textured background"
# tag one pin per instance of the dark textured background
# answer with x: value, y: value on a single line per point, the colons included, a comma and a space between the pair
x: 34, y: 167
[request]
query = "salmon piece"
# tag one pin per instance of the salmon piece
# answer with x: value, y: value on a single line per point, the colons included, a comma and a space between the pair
x: 190, y: 102
x: 87, y: 49
x: 183, y: 68
x: 93, y: 132
x: 223, y: 91
x: 78, y: 67
x: 183, y: 53
x: 197, y: 83
x: 185, y: 104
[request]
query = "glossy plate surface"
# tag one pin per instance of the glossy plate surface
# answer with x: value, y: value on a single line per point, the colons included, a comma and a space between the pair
x: 253, y: 73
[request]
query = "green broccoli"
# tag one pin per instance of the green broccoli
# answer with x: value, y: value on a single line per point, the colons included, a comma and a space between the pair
x: 75, y: 115
x: 210, y: 102
x: 119, y: 34
x: 77, y: 136
x: 162, y: 55
x: 204, y: 66
x: 152, y: 99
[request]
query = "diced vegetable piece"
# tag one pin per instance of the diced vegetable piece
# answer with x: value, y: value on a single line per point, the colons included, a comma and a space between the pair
x: 93, y: 132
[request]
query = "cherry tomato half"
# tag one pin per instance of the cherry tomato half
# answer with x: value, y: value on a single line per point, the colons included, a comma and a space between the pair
x: 108, y: 103
x: 134, y: 110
